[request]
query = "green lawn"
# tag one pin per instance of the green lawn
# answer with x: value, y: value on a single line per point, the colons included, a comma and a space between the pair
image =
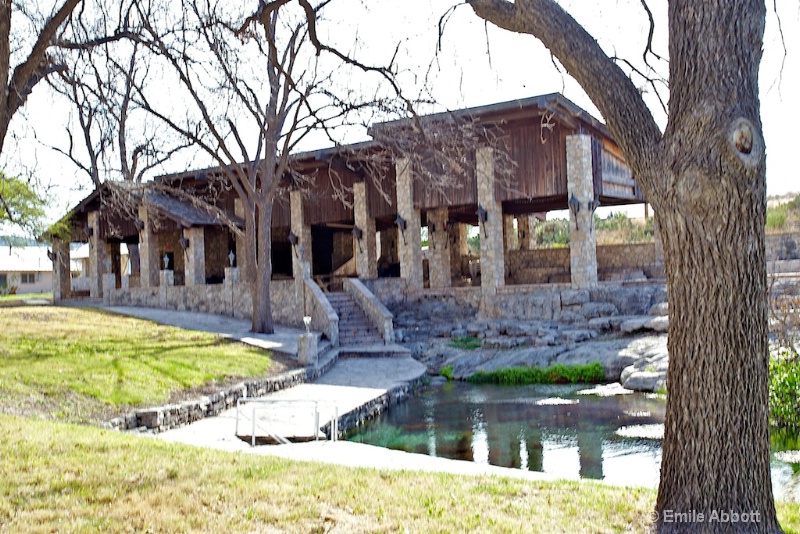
x: 23, y: 296
x: 82, y: 364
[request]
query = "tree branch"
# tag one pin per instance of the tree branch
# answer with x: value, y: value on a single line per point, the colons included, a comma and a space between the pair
x: 617, y: 98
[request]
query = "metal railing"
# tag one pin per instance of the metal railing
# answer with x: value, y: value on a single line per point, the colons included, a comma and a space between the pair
x: 260, y: 404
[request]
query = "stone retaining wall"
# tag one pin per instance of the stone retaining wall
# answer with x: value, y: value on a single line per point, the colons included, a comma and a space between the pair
x: 784, y: 246
x: 374, y: 408
x: 163, y: 418
x: 390, y: 291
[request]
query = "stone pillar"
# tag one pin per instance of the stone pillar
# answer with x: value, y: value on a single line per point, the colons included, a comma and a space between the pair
x: 366, y: 248
x: 526, y: 226
x: 97, y: 257
x: 241, y: 241
x: 458, y: 247
x: 302, y: 252
x: 410, y: 240
x: 231, y: 276
x: 149, y: 259
x: 195, y: 254
x: 439, y: 249
x: 109, y: 283
x: 509, y: 235
x: 61, y: 270
x: 580, y: 187
x: 492, y: 253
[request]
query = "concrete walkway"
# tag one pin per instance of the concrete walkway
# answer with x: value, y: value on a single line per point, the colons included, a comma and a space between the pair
x: 350, y: 384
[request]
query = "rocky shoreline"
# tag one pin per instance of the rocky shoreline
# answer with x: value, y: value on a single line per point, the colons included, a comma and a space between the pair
x: 631, y: 349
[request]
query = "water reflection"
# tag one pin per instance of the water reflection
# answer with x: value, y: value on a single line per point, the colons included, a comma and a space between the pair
x: 549, y: 429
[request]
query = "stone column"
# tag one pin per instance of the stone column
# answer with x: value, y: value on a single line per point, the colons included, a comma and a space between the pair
x: 149, y: 260
x: 438, y: 249
x: 409, y: 241
x: 302, y: 252
x: 458, y: 247
x: 109, y: 283
x: 492, y: 248
x: 97, y: 257
x: 195, y: 254
x: 61, y: 270
x: 241, y: 241
x: 366, y: 249
x: 526, y: 225
x: 580, y: 189
x: 509, y: 235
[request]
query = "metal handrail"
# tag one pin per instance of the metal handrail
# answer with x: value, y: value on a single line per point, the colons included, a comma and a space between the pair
x: 260, y: 400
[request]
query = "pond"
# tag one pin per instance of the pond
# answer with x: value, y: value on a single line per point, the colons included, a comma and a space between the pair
x: 555, y: 429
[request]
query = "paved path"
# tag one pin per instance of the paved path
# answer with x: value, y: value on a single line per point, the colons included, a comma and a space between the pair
x: 284, y: 340
x: 349, y: 384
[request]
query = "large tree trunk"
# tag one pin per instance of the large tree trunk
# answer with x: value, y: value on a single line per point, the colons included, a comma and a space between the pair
x: 262, y: 306
x: 706, y: 179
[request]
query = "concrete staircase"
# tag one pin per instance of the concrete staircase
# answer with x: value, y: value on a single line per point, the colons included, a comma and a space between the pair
x: 354, y: 327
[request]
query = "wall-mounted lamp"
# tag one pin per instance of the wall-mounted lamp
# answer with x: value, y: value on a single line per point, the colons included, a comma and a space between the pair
x: 184, y: 243
x: 139, y: 224
x: 401, y: 225
x: 358, y: 234
x: 293, y: 240
x: 574, y: 208
x: 483, y: 216
x: 166, y: 262
x: 594, y: 204
x: 231, y: 257
x: 51, y: 255
x: 88, y: 230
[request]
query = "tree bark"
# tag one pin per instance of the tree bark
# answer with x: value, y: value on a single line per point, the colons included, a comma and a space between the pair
x: 706, y: 179
x: 262, y: 306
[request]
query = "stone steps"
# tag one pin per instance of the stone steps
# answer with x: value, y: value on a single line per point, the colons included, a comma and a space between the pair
x: 354, y: 326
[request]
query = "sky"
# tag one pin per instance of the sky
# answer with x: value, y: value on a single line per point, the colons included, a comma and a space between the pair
x: 476, y: 65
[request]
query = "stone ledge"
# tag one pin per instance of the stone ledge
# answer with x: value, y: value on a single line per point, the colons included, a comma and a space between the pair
x: 162, y: 418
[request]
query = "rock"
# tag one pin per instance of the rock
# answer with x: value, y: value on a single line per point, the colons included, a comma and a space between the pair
x: 577, y: 336
x: 571, y: 317
x: 502, y: 342
x: 658, y: 324
x: 662, y: 308
x: 570, y: 297
x: 591, y: 310
x: 634, y: 325
x: 645, y: 381
x: 458, y: 333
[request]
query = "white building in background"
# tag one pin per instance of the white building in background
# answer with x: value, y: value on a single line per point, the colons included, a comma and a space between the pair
x: 26, y: 269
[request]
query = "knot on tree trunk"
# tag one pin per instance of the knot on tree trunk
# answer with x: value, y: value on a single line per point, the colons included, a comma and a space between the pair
x: 746, y: 142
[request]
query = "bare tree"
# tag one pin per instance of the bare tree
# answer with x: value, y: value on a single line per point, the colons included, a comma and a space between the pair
x: 705, y: 176
x: 255, y: 89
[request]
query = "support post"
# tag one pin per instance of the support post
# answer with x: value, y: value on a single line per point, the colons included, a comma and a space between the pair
x: 61, y: 270
x: 409, y: 240
x: 366, y: 247
x: 149, y: 259
x: 195, y: 254
x: 97, y: 257
x: 439, y: 249
x: 492, y: 247
x: 580, y: 192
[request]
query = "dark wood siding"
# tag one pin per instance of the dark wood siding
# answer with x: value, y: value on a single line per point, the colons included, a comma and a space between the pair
x: 462, y: 191
x: 377, y: 203
x: 541, y: 161
x: 323, y: 205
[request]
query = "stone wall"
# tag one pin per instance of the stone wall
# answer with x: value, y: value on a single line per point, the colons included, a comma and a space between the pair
x: 551, y: 265
x: 783, y: 246
x: 389, y: 291
x: 323, y: 316
x: 232, y: 300
x: 163, y: 418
